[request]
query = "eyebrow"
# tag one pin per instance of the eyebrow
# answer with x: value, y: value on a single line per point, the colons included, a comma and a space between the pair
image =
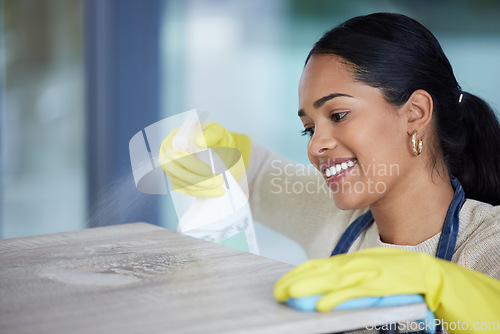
x: 322, y: 101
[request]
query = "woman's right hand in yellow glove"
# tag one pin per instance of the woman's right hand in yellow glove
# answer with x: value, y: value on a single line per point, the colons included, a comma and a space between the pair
x: 191, y: 176
x: 454, y: 293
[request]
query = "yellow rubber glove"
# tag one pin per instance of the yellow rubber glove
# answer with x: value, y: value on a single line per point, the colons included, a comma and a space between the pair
x: 189, y: 175
x: 453, y: 293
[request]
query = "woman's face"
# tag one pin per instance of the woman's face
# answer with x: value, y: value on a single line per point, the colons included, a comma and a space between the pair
x: 358, y: 141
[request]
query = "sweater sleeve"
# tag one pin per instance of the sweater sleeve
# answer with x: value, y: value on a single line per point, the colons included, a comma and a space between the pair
x: 294, y: 200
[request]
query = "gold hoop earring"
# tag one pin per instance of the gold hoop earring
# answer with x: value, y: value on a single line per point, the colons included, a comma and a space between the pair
x: 416, y: 144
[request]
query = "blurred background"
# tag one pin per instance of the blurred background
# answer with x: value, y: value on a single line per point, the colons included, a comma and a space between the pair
x: 78, y: 78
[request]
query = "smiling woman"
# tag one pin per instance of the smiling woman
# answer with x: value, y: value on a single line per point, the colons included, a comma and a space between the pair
x: 377, y: 92
x: 410, y: 159
x: 379, y: 88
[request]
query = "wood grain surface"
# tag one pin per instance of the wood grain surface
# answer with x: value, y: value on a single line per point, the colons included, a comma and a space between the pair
x: 140, y: 278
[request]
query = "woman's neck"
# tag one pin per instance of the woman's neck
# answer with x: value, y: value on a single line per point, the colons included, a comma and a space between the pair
x: 415, y: 210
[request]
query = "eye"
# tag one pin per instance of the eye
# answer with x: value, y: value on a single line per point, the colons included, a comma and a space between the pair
x: 337, y: 117
x: 307, y: 132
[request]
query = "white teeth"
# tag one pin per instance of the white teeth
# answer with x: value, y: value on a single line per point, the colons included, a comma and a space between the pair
x: 333, y: 170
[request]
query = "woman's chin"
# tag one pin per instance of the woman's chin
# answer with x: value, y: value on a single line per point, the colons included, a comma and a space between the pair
x: 348, y: 202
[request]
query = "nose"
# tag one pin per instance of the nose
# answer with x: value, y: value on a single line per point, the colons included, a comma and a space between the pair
x: 321, y: 142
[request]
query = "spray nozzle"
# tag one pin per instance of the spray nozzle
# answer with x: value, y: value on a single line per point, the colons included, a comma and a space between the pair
x: 185, y: 139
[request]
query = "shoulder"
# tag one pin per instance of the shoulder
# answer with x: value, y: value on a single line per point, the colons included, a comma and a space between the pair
x: 478, y: 218
x: 478, y: 245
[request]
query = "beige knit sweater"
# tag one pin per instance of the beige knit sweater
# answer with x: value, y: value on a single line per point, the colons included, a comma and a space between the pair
x: 294, y: 200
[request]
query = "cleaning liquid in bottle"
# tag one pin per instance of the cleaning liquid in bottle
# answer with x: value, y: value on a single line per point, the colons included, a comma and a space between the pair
x: 227, y: 219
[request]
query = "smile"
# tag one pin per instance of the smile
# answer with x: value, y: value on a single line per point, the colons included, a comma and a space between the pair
x: 339, y: 167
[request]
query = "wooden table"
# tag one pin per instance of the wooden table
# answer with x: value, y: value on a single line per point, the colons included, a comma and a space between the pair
x: 140, y: 278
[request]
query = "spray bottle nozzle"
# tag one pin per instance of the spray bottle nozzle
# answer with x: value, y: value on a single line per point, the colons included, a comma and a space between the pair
x: 185, y: 139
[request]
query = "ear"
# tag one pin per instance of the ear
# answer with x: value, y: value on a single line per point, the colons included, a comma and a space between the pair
x: 419, y: 111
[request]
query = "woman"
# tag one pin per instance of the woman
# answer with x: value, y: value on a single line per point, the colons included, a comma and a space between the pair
x: 381, y: 105
x: 412, y: 161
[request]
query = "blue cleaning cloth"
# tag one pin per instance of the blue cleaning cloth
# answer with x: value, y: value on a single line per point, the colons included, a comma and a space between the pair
x: 308, y: 304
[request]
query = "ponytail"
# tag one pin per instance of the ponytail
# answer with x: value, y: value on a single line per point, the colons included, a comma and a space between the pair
x: 471, y: 148
x: 398, y: 55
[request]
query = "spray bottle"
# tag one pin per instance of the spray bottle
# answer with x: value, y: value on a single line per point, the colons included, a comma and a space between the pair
x: 226, y: 219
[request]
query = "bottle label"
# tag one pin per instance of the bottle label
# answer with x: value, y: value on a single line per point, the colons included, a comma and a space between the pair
x: 238, y: 241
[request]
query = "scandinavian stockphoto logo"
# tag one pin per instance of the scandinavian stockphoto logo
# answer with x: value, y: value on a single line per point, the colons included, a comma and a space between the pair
x: 292, y: 178
x: 431, y: 326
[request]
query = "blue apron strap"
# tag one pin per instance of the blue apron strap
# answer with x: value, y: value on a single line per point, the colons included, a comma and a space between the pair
x: 352, y: 233
x: 449, y: 233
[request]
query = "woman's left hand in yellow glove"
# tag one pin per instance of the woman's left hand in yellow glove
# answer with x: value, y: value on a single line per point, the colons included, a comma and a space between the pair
x: 453, y: 293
